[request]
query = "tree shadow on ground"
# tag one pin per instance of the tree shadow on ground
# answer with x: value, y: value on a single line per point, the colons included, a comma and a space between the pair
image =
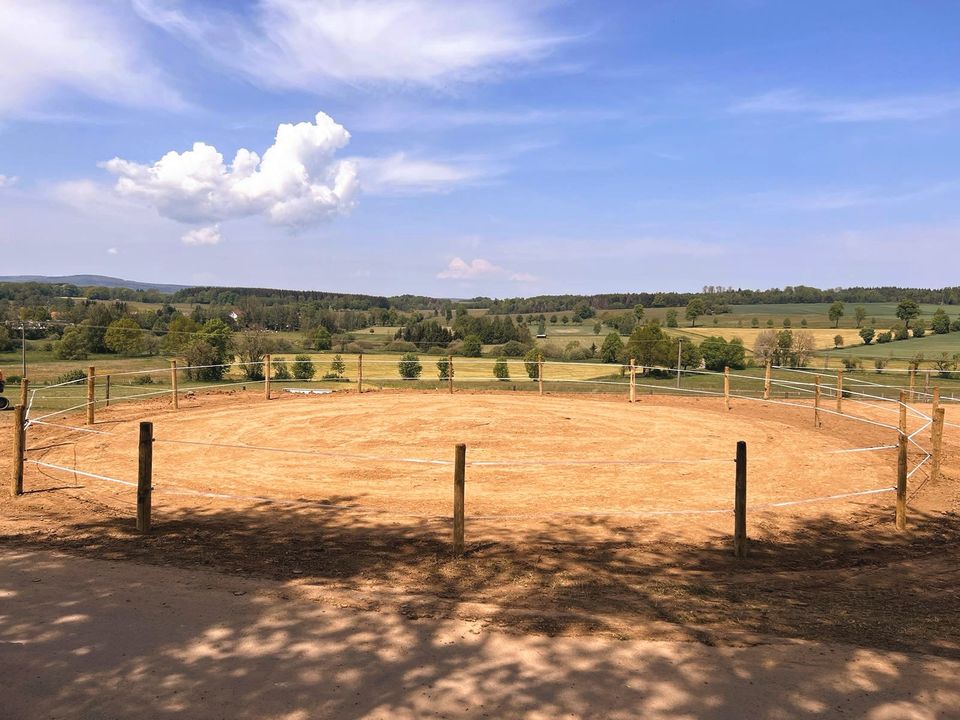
x: 825, y: 579
x: 82, y: 638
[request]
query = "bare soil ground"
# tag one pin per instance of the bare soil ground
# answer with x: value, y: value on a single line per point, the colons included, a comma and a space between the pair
x: 624, y: 550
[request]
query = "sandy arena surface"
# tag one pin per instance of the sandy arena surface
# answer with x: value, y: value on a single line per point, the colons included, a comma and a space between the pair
x: 611, y: 604
x: 83, y: 639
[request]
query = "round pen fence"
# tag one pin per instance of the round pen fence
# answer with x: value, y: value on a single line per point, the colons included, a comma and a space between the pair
x: 904, y: 422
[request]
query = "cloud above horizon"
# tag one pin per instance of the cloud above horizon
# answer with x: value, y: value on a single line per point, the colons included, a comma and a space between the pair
x: 296, y: 182
x: 295, y: 45
x: 50, y: 47
x: 460, y: 269
x: 833, y: 110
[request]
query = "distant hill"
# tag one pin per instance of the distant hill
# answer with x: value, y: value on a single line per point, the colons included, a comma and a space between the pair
x: 92, y: 280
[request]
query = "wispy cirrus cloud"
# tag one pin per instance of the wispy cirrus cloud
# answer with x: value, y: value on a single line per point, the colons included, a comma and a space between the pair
x: 309, y: 46
x: 840, y: 198
x: 851, y: 110
x: 403, y: 174
x: 460, y: 269
x: 54, y: 46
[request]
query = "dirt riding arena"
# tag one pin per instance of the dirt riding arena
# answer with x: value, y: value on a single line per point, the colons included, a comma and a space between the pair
x: 583, y: 513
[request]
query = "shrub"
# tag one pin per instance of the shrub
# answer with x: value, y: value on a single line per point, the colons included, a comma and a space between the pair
x: 142, y: 380
x: 851, y: 363
x: 124, y: 337
x: 514, y: 348
x: 754, y: 322
x: 472, y: 346
x: 303, y: 368
x: 409, y: 366
x: 500, y: 369
x: 73, y: 345
x: 204, y: 360
x: 443, y: 368
x: 867, y: 334
x: 400, y: 346
x: 70, y: 376
x: 885, y: 337
x: 531, y: 362
x: 901, y: 331
x: 673, y: 319
x: 337, y: 367
x: 612, y: 348
x: 940, y: 324
x: 718, y: 353
x: 838, y: 341
x: 919, y: 328
x: 880, y: 364
x: 281, y: 371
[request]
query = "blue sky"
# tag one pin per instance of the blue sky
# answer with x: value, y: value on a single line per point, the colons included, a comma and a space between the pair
x: 494, y: 148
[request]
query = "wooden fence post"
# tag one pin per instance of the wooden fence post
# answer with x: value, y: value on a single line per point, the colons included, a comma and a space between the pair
x: 766, y: 379
x: 913, y: 381
x: 840, y: 390
x: 450, y: 372
x: 145, y: 477
x: 24, y: 389
x: 902, y: 482
x: 173, y: 384
x: 740, y: 503
x: 816, y: 401
x: 903, y: 412
x: 726, y: 387
x: 937, y: 443
x: 360, y: 373
x: 935, y: 401
x: 266, y: 376
x: 459, y: 480
x: 106, y: 391
x: 540, y: 373
x: 926, y: 381
x: 19, y: 443
x: 91, y: 389
x: 633, y: 380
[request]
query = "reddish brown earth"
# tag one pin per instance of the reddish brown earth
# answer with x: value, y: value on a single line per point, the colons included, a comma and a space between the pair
x: 594, y: 548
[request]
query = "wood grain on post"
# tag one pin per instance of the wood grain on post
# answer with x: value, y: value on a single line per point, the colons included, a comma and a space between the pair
x: 726, y: 387
x: 740, y: 503
x: 459, y: 480
x: 935, y: 401
x: 145, y: 477
x: 816, y: 401
x: 360, y: 373
x: 266, y: 376
x: 633, y: 380
x: 902, y: 482
x: 173, y: 384
x: 937, y: 443
x: 24, y: 389
x: 840, y: 390
x: 540, y: 374
x: 91, y: 389
x: 450, y: 373
x: 19, y: 443
x: 106, y: 391
x: 903, y: 412
x: 766, y: 380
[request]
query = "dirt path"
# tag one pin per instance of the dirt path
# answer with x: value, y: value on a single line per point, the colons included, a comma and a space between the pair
x: 86, y: 638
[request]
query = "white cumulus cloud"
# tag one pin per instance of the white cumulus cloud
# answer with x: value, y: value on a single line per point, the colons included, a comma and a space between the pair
x: 460, y: 269
x: 7, y: 180
x: 308, y: 45
x: 209, y: 235
x: 112, y: 251
x: 296, y: 182
x: 48, y: 46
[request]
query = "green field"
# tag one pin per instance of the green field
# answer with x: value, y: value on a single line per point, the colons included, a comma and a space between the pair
x: 930, y: 346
